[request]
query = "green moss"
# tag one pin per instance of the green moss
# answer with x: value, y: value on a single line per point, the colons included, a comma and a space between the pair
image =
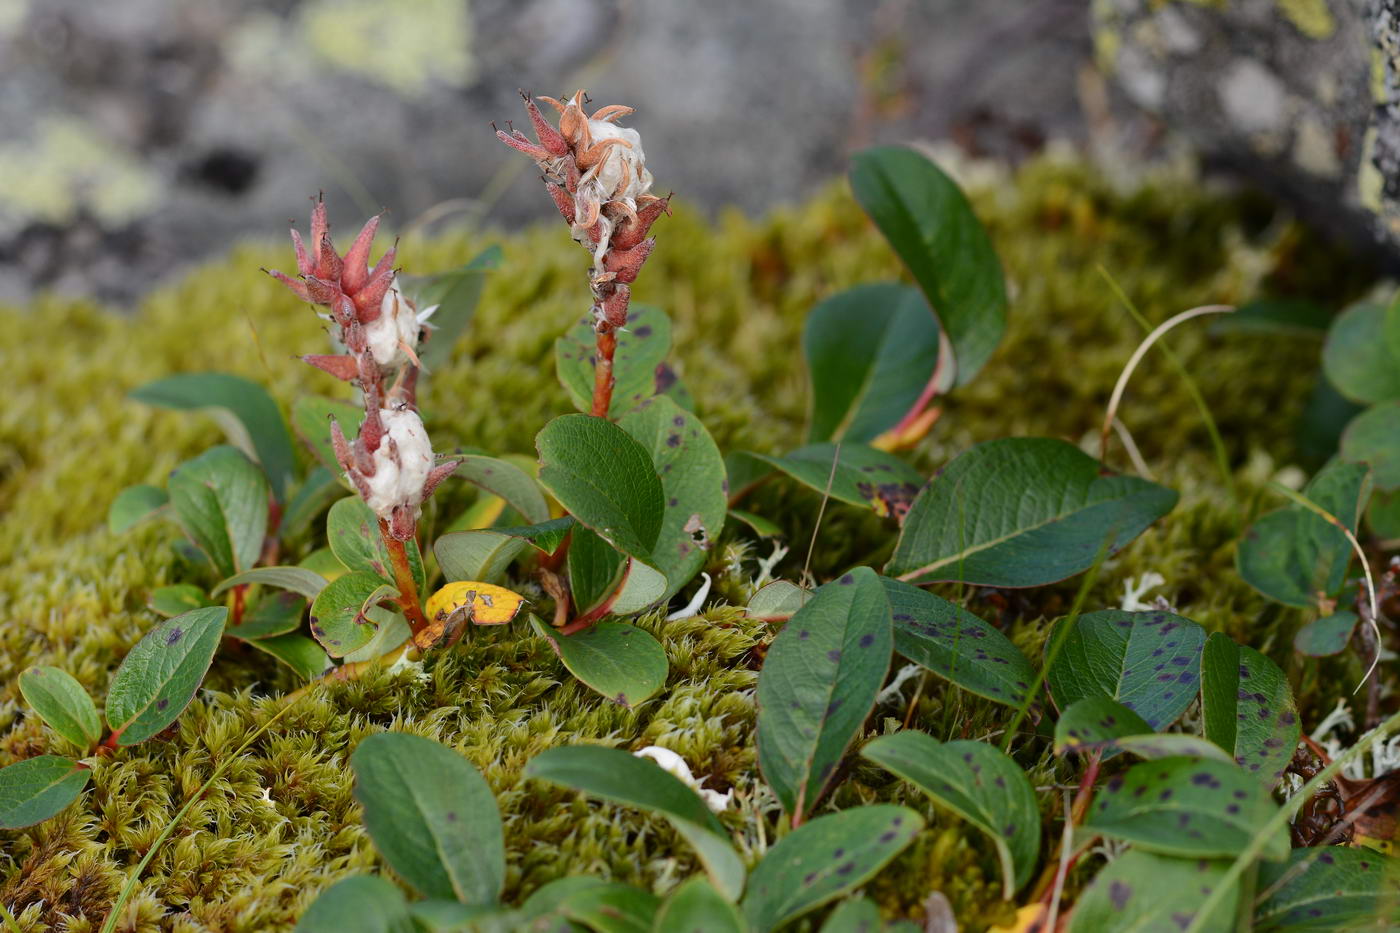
x: 281, y: 824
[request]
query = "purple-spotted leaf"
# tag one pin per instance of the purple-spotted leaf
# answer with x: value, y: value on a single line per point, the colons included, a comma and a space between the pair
x: 1022, y: 511
x: 1295, y: 556
x: 641, y: 347
x: 863, y: 476
x: 1188, y: 807
x: 62, y: 703
x: 177, y: 598
x: 955, y: 644
x: 1098, y: 723
x: 1140, y: 892
x: 928, y: 221
x: 620, y: 777
x: 696, y: 905
x: 220, y: 500
x: 35, y: 789
x: 303, y: 655
x: 352, y: 531
x: 161, y: 673
x: 1329, y: 889
x: 620, y: 661
x: 977, y: 781
x: 339, y: 616
x: 1247, y: 708
x: 1148, y: 661
x: 604, y: 479
x: 825, y: 859
x: 1327, y: 636
x: 432, y: 816
x: 692, y: 482
x: 818, y: 685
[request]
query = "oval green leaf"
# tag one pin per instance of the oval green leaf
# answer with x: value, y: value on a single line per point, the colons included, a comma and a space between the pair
x: 352, y: 531
x: 696, y: 905
x: 1022, y: 511
x: 133, y: 505
x: 311, y: 417
x: 1329, y: 889
x: 623, y: 778
x: 620, y: 661
x: 825, y: 859
x: 1357, y: 357
x: 777, y: 601
x: 1147, y: 661
x: 1247, y: 708
x: 856, y: 915
x: 306, y: 658
x: 871, y: 351
x: 62, y: 703
x: 161, y: 674
x: 432, y: 817
x: 220, y: 500
x: 505, y: 479
x: 273, y: 614
x: 977, y: 781
x: 486, y: 554
x: 818, y: 685
x: 605, y: 480
x: 362, y: 904
x: 294, y: 579
x: 863, y: 476
x: 641, y: 347
x: 1139, y: 892
x: 1188, y: 807
x: 181, y: 597
x: 955, y: 644
x: 340, y: 618
x: 928, y: 221
x: 35, y: 789
x: 243, y: 409
x: 1373, y: 438
x: 1327, y: 636
x: 612, y: 908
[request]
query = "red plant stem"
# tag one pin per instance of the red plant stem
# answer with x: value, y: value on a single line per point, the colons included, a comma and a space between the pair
x: 403, y: 579
x: 603, y: 379
x: 929, y: 393
x: 1045, y: 887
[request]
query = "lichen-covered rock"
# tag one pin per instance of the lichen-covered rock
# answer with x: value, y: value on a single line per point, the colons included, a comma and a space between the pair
x: 1301, y: 96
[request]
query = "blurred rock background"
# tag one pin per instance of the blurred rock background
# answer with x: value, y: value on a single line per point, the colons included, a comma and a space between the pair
x: 142, y: 135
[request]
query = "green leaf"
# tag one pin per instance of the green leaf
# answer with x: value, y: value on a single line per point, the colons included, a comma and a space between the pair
x: 696, y: 905
x: 763, y: 527
x: 1326, y: 636
x: 353, y: 533
x: 818, y: 685
x: 1189, y: 807
x: 273, y: 614
x: 977, y: 781
x: 641, y: 347
x: 931, y: 226
x: 871, y: 350
x: 1094, y: 723
x: 1318, y: 432
x: 432, y: 817
x: 360, y: 904
x: 1327, y: 890
x: 311, y: 417
x: 220, y: 499
x: 597, y: 571
x: 1293, y: 555
x: 1148, y: 661
x: 243, y: 409
x: 311, y: 497
x: 160, y: 675
x: 306, y: 658
x: 298, y: 580
x: 825, y: 859
x: 391, y: 630
x: 692, y: 476
x: 777, y: 601
x: 1357, y: 357
x: 456, y: 294
x: 1247, y: 708
x: 486, y: 554
x: 1383, y: 515
x: 623, y: 778
x: 857, y: 915
x: 339, y: 616
x: 1291, y: 317
x: 612, y: 908
x: 864, y: 476
x: 133, y: 505
x: 620, y: 661
x: 541, y: 911
x: 1022, y: 511
x: 955, y: 644
x: 1139, y: 892
x: 35, y: 789
x: 62, y: 703
x: 1371, y: 438
x: 172, y: 600
x: 443, y: 916
x: 505, y: 479
x: 605, y: 480
x: 642, y: 588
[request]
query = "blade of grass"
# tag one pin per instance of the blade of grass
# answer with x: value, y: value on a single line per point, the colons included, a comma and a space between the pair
x: 11, y: 924
x: 1222, y: 456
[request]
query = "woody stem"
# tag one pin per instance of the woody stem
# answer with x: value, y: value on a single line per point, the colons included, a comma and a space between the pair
x: 403, y: 579
x: 603, y: 379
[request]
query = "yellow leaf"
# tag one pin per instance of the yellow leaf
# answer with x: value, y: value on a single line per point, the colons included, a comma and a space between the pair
x: 1029, y: 919
x: 482, y: 603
